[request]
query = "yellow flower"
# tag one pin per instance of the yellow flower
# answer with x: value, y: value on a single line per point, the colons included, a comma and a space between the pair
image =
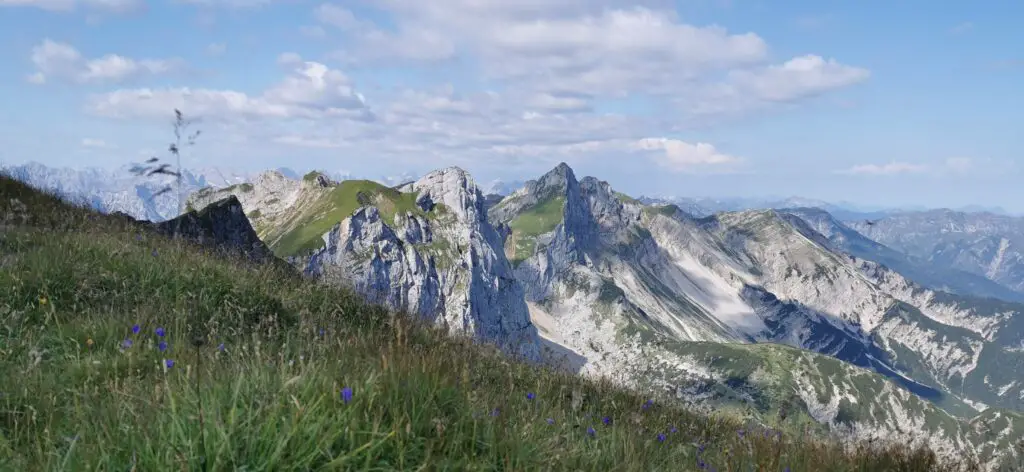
x: 42, y: 300
x: 88, y: 342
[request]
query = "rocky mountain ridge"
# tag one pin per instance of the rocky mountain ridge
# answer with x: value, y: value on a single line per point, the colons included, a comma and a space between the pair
x: 984, y: 244
x: 629, y: 291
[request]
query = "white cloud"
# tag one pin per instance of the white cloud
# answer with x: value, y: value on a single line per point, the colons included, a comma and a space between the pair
x: 114, y: 6
x: 312, y: 91
x: 891, y: 168
x: 796, y: 78
x: 681, y: 156
x: 63, y: 62
x: 555, y: 62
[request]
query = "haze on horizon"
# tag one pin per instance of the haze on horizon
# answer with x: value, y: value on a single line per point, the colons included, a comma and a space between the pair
x: 910, y: 105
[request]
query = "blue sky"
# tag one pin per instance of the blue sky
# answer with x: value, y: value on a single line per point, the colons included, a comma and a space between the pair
x: 879, y: 103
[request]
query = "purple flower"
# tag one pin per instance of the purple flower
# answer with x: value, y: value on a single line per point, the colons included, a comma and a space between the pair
x: 220, y: 347
x: 661, y: 437
x: 322, y: 331
x: 346, y: 394
x: 162, y: 346
x: 648, y: 404
x: 672, y: 429
x: 136, y: 329
x: 701, y: 464
x: 495, y: 411
x: 741, y: 433
x: 127, y: 343
x: 169, y: 363
x: 154, y: 253
x: 551, y: 421
x: 606, y: 420
x: 160, y: 332
x: 530, y: 396
x: 591, y: 432
x: 787, y: 469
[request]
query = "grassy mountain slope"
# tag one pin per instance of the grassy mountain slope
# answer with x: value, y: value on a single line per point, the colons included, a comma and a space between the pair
x: 270, y: 372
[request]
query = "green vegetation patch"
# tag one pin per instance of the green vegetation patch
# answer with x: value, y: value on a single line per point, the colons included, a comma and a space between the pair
x: 625, y: 198
x: 539, y: 219
x: 306, y: 229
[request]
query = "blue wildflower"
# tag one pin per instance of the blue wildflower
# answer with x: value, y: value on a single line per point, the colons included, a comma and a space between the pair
x: 672, y: 429
x: 162, y: 346
x: 701, y: 464
x: 346, y: 394
x: 606, y: 420
x: 661, y: 437
x: 160, y: 332
x: 322, y: 331
x: 551, y: 421
x: 169, y: 363
x: 495, y: 411
x: 591, y: 432
x: 530, y: 396
x: 154, y: 253
x: 136, y: 329
x: 648, y: 404
x: 127, y: 343
x: 220, y: 347
x: 741, y: 433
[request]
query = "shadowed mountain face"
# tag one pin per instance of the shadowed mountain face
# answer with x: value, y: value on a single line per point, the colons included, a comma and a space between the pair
x: 223, y: 226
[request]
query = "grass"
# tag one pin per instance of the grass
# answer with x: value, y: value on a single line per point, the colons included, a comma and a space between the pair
x: 297, y: 376
x: 305, y: 230
x: 542, y: 218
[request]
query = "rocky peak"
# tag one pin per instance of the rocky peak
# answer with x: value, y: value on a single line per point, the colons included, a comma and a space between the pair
x: 221, y: 225
x: 455, y: 189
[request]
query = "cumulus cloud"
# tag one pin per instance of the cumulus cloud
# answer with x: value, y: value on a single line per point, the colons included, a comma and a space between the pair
x: 61, y: 61
x: 311, y: 91
x: 892, y: 168
x: 601, y: 48
x: 114, y: 6
x: 681, y: 156
x: 544, y: 74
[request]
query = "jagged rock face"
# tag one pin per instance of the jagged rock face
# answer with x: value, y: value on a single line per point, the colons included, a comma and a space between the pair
x: 985, y: 244
x: 618, y: 283
x: 927, y: 273
x: 221, y: 225
x: 447, y: 266
x: 118, y: 190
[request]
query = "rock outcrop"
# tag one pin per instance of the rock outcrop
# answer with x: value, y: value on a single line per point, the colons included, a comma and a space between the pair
x: 222, y: 226
x: 442, y: 261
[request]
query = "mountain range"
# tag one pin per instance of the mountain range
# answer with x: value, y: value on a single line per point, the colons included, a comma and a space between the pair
x: 909, y: 325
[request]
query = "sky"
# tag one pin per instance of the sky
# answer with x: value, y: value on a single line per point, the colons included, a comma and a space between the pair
x: 907, y: 103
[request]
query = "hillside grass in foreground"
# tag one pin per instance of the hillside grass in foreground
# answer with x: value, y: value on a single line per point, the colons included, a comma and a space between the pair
x: 122, y: 350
